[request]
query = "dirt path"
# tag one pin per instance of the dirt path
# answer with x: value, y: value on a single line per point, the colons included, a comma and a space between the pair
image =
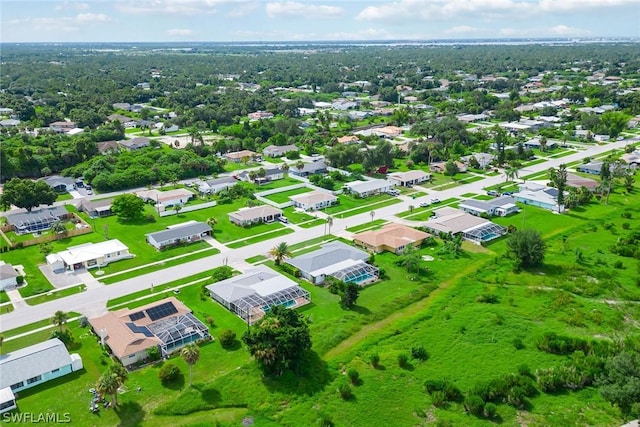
x: 405, y: 313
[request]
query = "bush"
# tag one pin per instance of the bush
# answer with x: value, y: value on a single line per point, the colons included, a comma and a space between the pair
x: 354, y: 375
x: 210, y: 320
x: 451, y: 392
x: 345, y: 391
x: 227, y: 338
x: 374, y: 359
x: 403, y: 360
x: 490, y: 410
x: 20, y: 280
x: 153, y: 354
x: 419, y: 353
x: 518, y: 344
x: 151, y: 218
x: 169, y: 373
x: 626, y: 225
x: 474, y: 405
x: 488, y: 298
x: 83, y: 322
x: 438, y: 399
x: 325, y: 421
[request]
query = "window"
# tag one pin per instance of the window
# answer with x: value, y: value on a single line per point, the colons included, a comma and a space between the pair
x: 34, y: 379
x: 131, y: 356
x: 55, y: 370
x: 17, y: 385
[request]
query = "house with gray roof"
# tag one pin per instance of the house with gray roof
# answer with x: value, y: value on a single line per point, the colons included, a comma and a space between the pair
x: 37, y: 220
x: 271, y: 174
x: 216, y: 185
x: 8, y: 276
x: 312, y: 168
x: 251, y: 294
x: 96, y: 208
x: 248, y: 216
x: 368, y: 188
x: 336, y: 259
x: 61, y: 184
x: 501, y: 206
x: 181, y: 233
x: 454, y: 221
x: 34, y: 365
x: 135, y: 143
x: 278, y: 150
x: 538, y: 195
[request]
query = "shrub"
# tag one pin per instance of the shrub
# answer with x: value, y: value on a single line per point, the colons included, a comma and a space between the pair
x: 626, y: 225
x: 169, y: 373
x: 227, y: 338
x: 618, y: 265
x: 488, y: 298
x: 65, y: 336
x: 151, y: 218
x: 518, y: 344
x: 403, y: 360
x: 210, y: 320
x: 438, y: 399
x: 474, y: 405
x: 154, y: 354
x: 354, y: 375
x: 345, y: 391
x: 374, y: 359
x: 418, y: 352
x: 20, y: 280
x: 83, y: 322
x: 451, y: 392
x: 490, y: 410
x: 325, y: 421
x: 626, y: 215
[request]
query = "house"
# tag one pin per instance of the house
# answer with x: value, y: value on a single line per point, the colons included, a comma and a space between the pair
x: 106, y: 146
x: 338, y: 260
x: 248, y: 216
x: 312, y: 168
x: 278, y: 150
x: 392, y: 237
x: 535, y: 143
x: 348, y: 139
x: 453, y: 221
x: 251, y: 294
x: 62, y: 126
x: 501, y: 206
x: 180, y: 233
x: 258, y: 115
x: 409, y: 178
x: 389, y: 132
x: 272, y: 174
x: 577, y: 181
x: 240, y: 156
x: 368, y: 188
x: 8, y: 276
x: 441, y: 167
x: 167, y: 324
x: 214, y: 186
x: 34, y: 365
x: 37, y: 220
x: 96, y: 208
x: 121, y: 106
x: 484, y: 159
x: 9, y: 123
x: 119, y: 117
x: 314, y: 200
x: 88, y: 255
x: 592, y: 168
x: 163, y: 199
x: 135, y: 143
x: 60, y: 183
x: 538, y: 195
x: 632, y: 159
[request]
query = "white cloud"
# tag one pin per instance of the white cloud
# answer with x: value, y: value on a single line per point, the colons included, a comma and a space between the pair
x: 434, y: 10
x: 73, y: 5
x: 180, y: 32
x: 171, y: 7
x: 92, y: 17
x: 461, y: 30
x: 564, y: 30
x: 293, y: 9
x: 243, y: 10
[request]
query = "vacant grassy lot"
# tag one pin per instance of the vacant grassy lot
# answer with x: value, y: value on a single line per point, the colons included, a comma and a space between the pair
x: 284, y: 195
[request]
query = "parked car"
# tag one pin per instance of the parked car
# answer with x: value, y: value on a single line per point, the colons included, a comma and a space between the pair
x: 89, y: 192
x: 508, y: 193
x: 493, y: 193
x: 283, y: 219
x: 393, y: 192
x: 424, y: 204
x: 435, y: 200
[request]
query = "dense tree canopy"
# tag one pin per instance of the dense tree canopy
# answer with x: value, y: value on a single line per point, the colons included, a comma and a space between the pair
x: 127, y: 206
x: 527, y: 248
x: 27, y: 194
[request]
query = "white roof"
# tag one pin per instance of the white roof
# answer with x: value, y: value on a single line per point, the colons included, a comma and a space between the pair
x: 370, y: 185
x: 89, y: 251
x: 334, y: 268
x: 32, y: 361
x: 409, y: 175
x: 261, y: 280
x: 313, y: 197
x: 6, y: 395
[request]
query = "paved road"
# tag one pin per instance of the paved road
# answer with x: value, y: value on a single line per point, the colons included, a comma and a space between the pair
x: 93, y: 301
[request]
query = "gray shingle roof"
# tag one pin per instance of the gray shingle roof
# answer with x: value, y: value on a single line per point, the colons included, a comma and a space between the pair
x: 330, y: 254
x: 32, y: 361
x: 55, y: 212
x: 180, y: 232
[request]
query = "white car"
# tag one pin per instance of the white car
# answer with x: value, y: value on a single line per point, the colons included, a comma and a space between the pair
x: 424, y: 204
x: 435, y: 200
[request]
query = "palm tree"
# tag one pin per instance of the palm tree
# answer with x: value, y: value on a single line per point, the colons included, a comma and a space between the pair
x: 59, y: 318
x: 253, y: 175
x: 543, y: 144
x: 300, y: 165
x: 410, y: 259
x: 58, y: 229
x: 111, y: 380
x: 329, y: 222
x: 280, y: 252
x: 177, y: 207
x: 211, y: 222
x: 373, y: 214
x: 285, y: 169
x: 511, y: 173
x: 190, y: 354
x: 261, y: 174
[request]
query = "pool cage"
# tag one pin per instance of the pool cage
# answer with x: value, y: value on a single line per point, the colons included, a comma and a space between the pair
x: 484, y: 232
x: 178, y: 331
x: 35, y: 224
x: 252, y: 307
x: 361, y: 273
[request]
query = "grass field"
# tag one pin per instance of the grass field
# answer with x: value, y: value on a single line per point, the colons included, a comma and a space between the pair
x: 284, y: 195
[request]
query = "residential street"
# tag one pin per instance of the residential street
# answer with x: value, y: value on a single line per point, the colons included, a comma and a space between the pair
x: 93, y: 301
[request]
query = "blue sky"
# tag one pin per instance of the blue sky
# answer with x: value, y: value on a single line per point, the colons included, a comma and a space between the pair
x: 247, y: 20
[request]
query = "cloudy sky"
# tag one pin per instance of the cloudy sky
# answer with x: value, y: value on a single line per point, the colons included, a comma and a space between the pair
x: 248, y: 20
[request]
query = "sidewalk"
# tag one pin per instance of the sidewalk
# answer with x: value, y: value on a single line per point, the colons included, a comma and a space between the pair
x: 16, y: 299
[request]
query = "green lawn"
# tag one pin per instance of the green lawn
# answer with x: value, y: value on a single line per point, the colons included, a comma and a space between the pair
x: 296, y: 217
x: 53, y: 295
x: 233, y: 166
x: 283, y: 196
x: 368, y: 225
x: 313, y: 223
x: 264, y: 236
x: 423, y: 214
x: 278, y: 183
x: 64, y: 196
x: 350, y: 205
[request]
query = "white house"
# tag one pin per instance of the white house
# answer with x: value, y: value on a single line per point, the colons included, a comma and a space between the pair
x: 368, y: 188
x: 248, y: 216
x: 409, y: 178
x: 278, y: 150
x: 538, y: 195
x: 314, y: 200
x: 180, y: 233
x: 163, y: 199
x: 8, y: 276
x: 89, y: 255
x: 34, y: 365
x: 501, y: 206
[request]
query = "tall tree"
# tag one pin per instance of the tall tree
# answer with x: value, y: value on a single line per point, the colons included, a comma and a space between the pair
x: 279, y: 341
x: 558, y: 178
x: 127, y: 206
x: 111, y: 380
x: 527, y: 248
x: 212, y: 222
x: 280, y: 252
x: 191, y: 355
x: 410, y: 259
x: 27, y: 194
x: 59, y: 319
